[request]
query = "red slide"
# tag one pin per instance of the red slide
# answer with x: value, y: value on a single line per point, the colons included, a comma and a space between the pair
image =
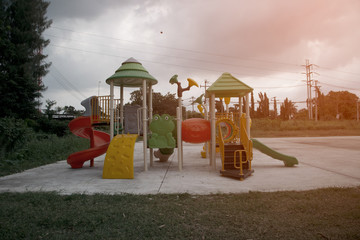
x: 99, y: 142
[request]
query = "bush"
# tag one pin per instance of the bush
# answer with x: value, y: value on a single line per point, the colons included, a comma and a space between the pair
x: 50, y: 126
x: 13, y: 133
x: 42, y: 149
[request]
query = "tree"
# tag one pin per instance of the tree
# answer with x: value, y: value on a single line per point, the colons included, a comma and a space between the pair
x: 287, y: 110
x: 22, y: 65
x: 48, y: 108
x: 263, y: 109
x: 275, y: 108
x: 341, y: 104
x: 219, y: 106
x: 252, y: 107
x: 72, y: 111
x: 161, y: 104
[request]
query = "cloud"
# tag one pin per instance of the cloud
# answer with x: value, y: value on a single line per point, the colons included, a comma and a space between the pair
x: 263, y: 42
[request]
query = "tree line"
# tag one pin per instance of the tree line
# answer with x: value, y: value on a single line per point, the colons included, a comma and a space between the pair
x: 22, y: 62
x: 334, y: 105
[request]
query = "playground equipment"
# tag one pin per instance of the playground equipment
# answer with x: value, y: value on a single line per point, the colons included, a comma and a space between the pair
x: 119, y: 157
x: 83, y: 127
x: 106, y: 109
x: 236, y: 157
x: 289, y: 161
x: 238, y: 164
x: 180, y: 90
x: 232, y: 129
x: 195, y: 130
x: 132, y: 74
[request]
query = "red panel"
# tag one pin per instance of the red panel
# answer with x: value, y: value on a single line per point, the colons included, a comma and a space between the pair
x: 196, y: 130
x: 99, y: 141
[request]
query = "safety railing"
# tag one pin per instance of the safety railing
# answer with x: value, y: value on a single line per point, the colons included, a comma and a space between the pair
x: 220, y: 140
x: 100, y: 109
x: 245, y: 140
x: 241, y: 162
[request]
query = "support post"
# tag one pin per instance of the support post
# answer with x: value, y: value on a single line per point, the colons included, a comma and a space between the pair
x: 240, y: 113
x: 178, y: 129
x: 213, y: 131
x: 247, y: 115
x: 144, y: 111
x: 207, y: 144
x: 150, y: 118
x: 122, y: 107
x: 111, y: 110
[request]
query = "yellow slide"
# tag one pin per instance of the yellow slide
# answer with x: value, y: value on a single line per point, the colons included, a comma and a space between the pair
x: 119, y: 159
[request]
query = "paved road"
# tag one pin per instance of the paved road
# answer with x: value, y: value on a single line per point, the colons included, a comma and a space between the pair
x: 324, y: 162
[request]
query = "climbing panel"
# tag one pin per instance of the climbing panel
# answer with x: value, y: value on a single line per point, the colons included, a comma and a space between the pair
x: 119, y: 159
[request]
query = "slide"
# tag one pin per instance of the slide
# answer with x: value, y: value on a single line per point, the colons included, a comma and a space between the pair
x: 289, y: 161
x: 99, y: 141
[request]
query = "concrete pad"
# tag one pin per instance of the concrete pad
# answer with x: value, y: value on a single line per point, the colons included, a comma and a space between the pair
x: 324, y: 162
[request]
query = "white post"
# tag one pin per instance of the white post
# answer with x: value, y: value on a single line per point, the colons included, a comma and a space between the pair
x: 111, y: 110
x: 213, y: 131
x: 122, y: 106
x: 240, y: 113
x: 144, y: 124
x: 207, y: 144
x: 150, y: 118
x: 240, y: 106
x: 179, y: 137
x: 247, y: 115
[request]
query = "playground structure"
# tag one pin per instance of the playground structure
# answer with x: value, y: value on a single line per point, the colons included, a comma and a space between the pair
x: 234, y: 143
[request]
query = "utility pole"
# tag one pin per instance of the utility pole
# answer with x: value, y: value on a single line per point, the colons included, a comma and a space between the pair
x: 192, y: 102
x: 275, y: 106
x: 205, y: 86
x: 309, y: 101
x: 99, y: 88
x: 316, y: 99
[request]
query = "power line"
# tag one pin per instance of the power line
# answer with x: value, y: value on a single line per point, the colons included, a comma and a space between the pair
x: 343, y: 80
x: 64, y: 79
x: 280, y: 87
x: 347, y: 88
x: 184, y: 58
x: 167, y: 47
x: 65, y: 87
x: 162, y: 63
x: 328, y: 68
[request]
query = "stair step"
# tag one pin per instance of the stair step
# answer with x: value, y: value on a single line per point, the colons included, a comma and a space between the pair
x: 235, y: 173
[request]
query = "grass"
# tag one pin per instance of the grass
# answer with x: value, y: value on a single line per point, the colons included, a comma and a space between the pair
x: 40, y: 151
x: 332, y: 213
x: 303, y: 128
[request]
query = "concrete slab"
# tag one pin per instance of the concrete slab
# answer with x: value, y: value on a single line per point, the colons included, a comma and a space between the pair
x: 324, y: 162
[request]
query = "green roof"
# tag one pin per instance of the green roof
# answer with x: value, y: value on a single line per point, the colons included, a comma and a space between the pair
x: 228, y: 86
x: 131, y: 74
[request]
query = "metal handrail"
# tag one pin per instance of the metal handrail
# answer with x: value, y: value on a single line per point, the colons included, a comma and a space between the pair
x: 240, y: 160
x: 221, y: 146
x: 245, y: 140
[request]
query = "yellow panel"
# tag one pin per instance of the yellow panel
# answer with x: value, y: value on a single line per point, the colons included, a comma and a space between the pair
x: 119, y: 159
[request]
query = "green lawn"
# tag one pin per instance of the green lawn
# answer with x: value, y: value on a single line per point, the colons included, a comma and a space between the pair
x: 39, y: 152
x: 303, y: 128
x: 319, y: 214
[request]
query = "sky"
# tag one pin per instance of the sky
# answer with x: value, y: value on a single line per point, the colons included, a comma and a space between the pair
x: 263, y: 43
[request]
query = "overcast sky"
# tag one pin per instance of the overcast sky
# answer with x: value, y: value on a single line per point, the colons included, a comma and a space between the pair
x: 263, y: 43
